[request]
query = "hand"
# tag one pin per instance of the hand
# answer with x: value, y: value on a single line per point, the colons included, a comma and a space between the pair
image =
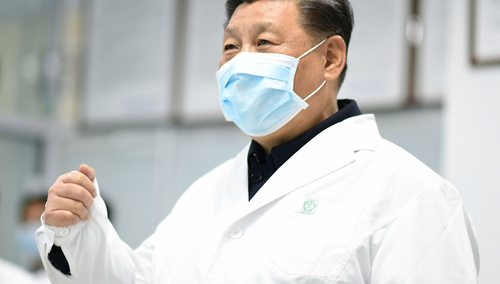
x: 70, y: 197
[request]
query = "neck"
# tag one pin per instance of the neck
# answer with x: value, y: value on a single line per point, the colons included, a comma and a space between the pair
x: 293, y: 129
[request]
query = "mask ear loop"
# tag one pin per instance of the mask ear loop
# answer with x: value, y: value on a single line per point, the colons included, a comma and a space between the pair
x: 310, y: 50
x: 324, y: 82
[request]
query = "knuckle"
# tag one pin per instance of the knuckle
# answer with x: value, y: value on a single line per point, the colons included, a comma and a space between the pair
x: 50, y: 200
x: 53, y: 203
x: 48, y: 207
x: 52, y: 189
x: 82, y: 194
x: 47, y: 216
x: 63, y: 177
x: 69, y: 217
x: 80, y: 207
x: 84, y: 200
x: 79, y: 179
x: 48, y: 220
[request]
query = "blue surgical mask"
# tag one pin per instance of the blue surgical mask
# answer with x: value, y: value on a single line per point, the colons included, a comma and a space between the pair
x: 29, y: 256
x: 256, y: 91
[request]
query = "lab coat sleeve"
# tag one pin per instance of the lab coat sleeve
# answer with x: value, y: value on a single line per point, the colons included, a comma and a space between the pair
x: 431, y: 241
x: 94, y: 251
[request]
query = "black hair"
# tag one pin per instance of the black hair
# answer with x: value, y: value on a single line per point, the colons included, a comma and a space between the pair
x: 320, y: 18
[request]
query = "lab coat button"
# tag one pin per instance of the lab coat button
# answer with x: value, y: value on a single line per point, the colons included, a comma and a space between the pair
x: 256, y: 177
x: 63, y: 232
x: 237, y: 233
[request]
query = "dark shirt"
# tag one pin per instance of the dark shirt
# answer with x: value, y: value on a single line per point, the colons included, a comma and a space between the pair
x: 58, y: 260
x: 261, y: 166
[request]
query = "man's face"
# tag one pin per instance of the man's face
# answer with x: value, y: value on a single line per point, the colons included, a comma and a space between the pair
x: 274, y: 27
x: 34, y: 211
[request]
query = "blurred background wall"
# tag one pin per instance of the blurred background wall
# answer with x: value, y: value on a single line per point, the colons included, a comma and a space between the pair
x: 129, y: 88
x: 472, y: 133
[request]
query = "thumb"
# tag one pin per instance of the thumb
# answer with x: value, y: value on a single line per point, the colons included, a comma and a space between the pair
x: 88, y: 171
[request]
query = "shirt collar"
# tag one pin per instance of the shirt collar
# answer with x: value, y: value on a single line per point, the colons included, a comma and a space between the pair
x: 281, y: 153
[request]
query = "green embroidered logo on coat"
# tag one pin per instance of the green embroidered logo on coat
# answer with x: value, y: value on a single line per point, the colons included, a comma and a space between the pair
x: 309, y: 206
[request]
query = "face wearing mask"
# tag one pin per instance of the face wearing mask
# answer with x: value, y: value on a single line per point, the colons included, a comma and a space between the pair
x: 29, y: 254
x: 256, y: 91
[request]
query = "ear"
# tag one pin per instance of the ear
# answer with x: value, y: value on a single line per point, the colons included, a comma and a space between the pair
x: 335, y: 57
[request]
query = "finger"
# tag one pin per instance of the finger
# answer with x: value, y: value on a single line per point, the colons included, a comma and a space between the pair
x: 80, y: 179
x: 72, y: 191
x: 88, y: 171
x: 75, y: 207
x: 60, y: 218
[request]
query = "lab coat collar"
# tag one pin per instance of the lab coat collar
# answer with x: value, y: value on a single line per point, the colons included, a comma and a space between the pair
x: 237, y: 181
x: 329, y: 151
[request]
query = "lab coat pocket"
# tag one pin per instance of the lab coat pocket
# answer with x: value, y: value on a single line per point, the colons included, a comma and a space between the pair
x: 316, y: 244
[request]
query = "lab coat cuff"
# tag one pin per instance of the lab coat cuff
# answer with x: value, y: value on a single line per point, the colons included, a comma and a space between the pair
x: 60, y: 235
x: 46, y: 233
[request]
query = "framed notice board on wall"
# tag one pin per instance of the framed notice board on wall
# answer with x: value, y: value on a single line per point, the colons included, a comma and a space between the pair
x: 485, y: 32
x: 129, y: 62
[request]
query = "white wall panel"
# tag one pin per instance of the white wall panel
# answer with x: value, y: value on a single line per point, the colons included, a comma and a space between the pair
x: 203, y: 52
x: 129, y: 61
x: 432, y: 64
x: 378, y: 54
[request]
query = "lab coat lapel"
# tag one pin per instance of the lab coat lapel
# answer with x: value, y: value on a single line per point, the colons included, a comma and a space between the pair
x: 237, y: 182
x: 329, y: 151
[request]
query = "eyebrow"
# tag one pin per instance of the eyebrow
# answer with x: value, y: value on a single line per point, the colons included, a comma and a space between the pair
x: 257, y: 28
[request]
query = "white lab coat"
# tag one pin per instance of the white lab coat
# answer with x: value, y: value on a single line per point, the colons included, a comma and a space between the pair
x: 349, y: 207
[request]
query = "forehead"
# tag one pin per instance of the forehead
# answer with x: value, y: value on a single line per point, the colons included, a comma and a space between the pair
x: 34, y: 210
x: 268, y: 14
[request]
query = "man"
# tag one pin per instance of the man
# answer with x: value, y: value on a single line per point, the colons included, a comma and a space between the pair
x: 32, y: 207
x: 317, y: 197
x: 11, y: 273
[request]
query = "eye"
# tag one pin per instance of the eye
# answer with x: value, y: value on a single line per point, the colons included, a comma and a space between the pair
x: 263, y: 42
x: 229, y: 47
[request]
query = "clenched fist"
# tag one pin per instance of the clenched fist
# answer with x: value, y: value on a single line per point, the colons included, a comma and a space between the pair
x: 70, y: 197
